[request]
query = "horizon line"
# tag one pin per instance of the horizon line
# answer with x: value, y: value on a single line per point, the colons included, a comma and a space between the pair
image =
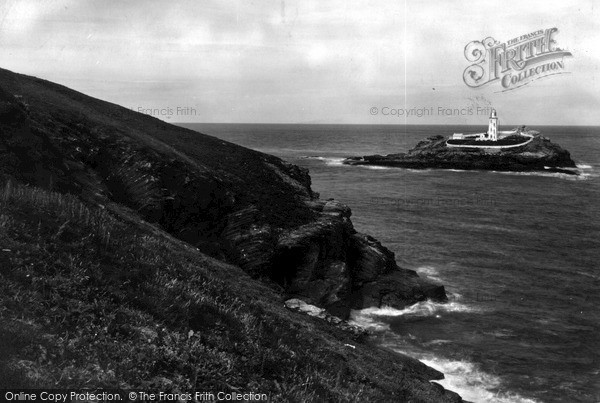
x: 370, y: 124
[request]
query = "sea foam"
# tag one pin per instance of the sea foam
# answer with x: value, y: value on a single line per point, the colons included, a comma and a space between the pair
x: 470, y: 382
x: 461, y: 376
x: 336, y: 161
x: 430, y: 272
x: 371, y: 318
x: 331, y: 161
x: 558, y: 175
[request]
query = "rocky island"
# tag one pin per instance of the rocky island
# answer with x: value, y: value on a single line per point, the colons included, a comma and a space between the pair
x: 519, y: 150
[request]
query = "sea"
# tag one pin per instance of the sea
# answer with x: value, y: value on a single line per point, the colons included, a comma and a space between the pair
x: 518, y: 253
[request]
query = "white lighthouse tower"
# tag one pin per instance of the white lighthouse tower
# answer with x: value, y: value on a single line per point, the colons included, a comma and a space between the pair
x: 492, y: 133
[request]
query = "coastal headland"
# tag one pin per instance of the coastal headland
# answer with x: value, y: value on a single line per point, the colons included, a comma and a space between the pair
x: 141, y: 255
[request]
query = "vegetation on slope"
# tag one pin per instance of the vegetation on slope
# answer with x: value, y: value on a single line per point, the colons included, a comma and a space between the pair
x: 93, y: 297
x: 241, y: 206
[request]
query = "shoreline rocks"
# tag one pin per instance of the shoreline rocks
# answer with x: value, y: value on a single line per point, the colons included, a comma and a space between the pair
x: 235, y: 204
x: 329, y: 264
x: 297, y: 305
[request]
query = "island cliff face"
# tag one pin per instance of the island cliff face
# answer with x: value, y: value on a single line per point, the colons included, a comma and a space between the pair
x: 246, y: 207
x: 538, y: 155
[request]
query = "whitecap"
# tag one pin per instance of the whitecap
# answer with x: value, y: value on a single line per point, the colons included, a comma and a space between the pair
x: 500, y: 333
x: 423, y: 308
x: 583, y: 273
x: 462, y: 377
x: 437, y: 342
x: 470, y: 382
x: 558, y: 175
x: 368, y: 322
x: 489, y: 227
x: 376, y: 167
x: 453, y: 296
x: 328, y: 160
x: 336, y: 161
x: 430, y: 272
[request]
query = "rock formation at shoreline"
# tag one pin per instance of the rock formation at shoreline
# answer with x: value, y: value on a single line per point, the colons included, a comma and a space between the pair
x: 220, y: 207
x: 538, y: 155
x: 246, y: 207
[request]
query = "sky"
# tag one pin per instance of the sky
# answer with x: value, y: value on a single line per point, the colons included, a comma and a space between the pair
x: 305, y: 61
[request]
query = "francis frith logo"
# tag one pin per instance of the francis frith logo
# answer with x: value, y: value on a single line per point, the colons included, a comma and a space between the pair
x: 516, y: 62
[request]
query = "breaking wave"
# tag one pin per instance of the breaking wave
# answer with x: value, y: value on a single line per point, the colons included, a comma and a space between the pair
x: 336, y: 161
x: 376, y: 167
x: 332, y: 161
x: 558, y: 175
x: 470, y: 382
x: 584, y: 171
x: 460, y: 376
x: 429, y: 272
x: 423, y: 308
x: 371, y: 318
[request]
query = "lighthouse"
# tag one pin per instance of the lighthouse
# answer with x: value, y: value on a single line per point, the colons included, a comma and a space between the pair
x: 492, y: 133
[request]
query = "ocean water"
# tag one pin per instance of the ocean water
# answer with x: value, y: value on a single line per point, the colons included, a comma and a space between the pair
x: 519, y: 254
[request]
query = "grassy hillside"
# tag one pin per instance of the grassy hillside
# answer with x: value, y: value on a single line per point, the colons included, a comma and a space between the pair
x: 134, y: 253
x: 70, y: 129
x: 241, y: 206
x: 88, y: 300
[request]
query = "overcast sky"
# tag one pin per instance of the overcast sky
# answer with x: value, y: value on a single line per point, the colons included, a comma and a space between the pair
x: 301, y: 61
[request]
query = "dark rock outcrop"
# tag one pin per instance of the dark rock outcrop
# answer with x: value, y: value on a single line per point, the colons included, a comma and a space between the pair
x: 232, y: 203
x: 243, y: 206
x: 327, y: 263
x: 538, y: 155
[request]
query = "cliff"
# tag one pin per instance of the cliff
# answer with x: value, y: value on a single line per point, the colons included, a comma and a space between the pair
x: 151, y: 249
x: 248, y: 208
x: 538, y: 155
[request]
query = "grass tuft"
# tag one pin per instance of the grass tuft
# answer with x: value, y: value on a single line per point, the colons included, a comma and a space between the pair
x: 88, y: 300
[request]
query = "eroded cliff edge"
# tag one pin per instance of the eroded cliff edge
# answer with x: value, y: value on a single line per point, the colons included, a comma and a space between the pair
x: 104, y: 290
x: 238, y: 205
